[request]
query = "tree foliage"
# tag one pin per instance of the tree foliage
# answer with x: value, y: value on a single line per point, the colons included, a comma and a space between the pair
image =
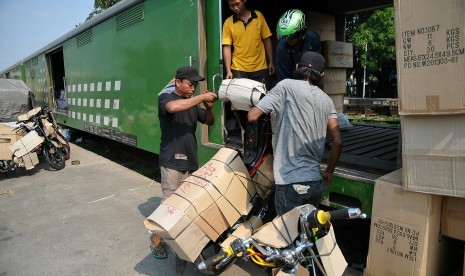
x: 100, y: 6
x: 373, y: 36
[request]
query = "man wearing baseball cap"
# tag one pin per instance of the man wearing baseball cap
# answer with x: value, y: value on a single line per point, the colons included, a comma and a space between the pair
x: 179, y: 113
x: 304, y: 115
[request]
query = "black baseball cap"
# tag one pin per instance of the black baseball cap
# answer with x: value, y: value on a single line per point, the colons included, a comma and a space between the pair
x: 188, y: 72
x: 313, y: 60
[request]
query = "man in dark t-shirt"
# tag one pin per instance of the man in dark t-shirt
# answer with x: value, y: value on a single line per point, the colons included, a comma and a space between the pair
x: 179, y: 113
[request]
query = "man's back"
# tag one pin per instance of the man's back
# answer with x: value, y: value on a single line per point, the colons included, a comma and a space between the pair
x: 302, y: 112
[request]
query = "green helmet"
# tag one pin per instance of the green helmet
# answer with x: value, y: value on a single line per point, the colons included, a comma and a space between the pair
x: 291, y: 24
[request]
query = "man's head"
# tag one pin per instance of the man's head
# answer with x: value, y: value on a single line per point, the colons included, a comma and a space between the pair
x: 292, y: 26
x: 237, y: 6
x: 311, y: 67
x: 187, y: 79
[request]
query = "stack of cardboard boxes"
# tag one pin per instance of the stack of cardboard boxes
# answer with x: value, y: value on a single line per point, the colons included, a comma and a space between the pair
x: 417, y: 208
x: 338, y: 55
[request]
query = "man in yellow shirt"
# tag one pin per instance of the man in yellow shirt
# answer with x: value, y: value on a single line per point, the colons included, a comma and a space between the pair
x: 247, y: 32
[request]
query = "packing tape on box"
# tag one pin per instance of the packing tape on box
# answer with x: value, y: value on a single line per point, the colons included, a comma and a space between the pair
x: 214, y: 186
x: 235, y: 174
x: 199, y: 213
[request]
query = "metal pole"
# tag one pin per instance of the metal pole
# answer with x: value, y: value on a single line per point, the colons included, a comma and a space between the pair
x: 364, y: 72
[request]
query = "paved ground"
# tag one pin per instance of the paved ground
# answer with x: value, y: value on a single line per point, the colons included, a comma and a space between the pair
x: 86, y: 219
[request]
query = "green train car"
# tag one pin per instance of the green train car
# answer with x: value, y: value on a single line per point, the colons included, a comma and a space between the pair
x: 104, y: 76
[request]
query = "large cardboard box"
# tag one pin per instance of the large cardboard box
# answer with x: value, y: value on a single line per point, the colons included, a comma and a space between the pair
x: 405, y: 231
x: 338, y: 54
x: 453, y: 217
x: 323, y: 24
x: 433, y: 154
x: 430, y: 42
x: 334, y: 81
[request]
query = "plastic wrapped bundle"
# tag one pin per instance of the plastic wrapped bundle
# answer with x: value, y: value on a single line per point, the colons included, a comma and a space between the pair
x: 243, y: 93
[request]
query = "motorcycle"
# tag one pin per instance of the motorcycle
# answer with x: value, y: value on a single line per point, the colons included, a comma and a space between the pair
x: 284, y: 257
x: 39, y: 134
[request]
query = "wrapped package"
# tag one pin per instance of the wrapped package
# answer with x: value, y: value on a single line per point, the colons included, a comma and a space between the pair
x: 242, y: 93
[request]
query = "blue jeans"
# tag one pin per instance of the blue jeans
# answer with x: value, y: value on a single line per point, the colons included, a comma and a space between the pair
x: 286, y: 198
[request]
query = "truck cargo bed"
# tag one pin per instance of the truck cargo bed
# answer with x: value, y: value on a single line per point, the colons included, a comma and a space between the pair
x: 368, y: 148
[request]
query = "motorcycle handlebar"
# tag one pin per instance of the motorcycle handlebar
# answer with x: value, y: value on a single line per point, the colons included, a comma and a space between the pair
x: 320, y: 217
x: 215, y: 259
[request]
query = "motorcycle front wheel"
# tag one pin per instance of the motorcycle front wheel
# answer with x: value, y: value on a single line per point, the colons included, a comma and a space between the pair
x: 54, y: 157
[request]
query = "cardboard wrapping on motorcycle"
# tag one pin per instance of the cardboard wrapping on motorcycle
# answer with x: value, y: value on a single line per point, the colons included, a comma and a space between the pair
x: 264, y: 177
x: 7, y: 137
x: 189, y: 243
x: 281, y: 231
x: 243, y: 93
x: 213, y: 198
x: 301, y: 271
x: 26, y: 144
x: 332, y: 258
x: 26, y: 116
x: 243, y: 230
x: 30, y: 160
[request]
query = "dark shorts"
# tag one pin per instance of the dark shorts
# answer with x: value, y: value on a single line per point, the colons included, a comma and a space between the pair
x: 262, y: 76
x: 286, y: 198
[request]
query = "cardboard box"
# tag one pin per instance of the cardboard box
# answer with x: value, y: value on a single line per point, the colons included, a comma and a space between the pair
x: 323, y: 24
x: 338, y: 54
x: 405, y: 231
x: 453, y: 217
x: 433, y: 154
x: 334, y: 81
x: 430, y: 43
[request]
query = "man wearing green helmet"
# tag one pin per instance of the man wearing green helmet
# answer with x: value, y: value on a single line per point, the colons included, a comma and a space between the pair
x: 294, y: 40
x: 248, y: 33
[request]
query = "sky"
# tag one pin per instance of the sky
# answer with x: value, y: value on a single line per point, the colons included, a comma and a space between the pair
x: 28, y: 25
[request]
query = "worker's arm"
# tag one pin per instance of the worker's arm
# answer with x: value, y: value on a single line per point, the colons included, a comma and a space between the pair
x: 227, y: 60
x: 335, y: 153
x: 185, y: 104
x: 269, y: 53
x: 254, y: 114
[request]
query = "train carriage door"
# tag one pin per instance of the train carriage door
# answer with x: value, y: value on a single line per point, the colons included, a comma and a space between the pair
x: 57, y: 80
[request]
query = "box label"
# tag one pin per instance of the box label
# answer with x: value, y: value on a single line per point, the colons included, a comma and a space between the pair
x: 440, y: 46
x: 398, y: 239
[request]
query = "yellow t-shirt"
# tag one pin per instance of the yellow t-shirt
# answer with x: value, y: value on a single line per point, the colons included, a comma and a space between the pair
x: 247, y: 40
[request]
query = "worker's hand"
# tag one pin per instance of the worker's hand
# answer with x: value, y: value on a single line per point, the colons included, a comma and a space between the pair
x: 327, y: 178
x: 208, y: 99
x: 271, y: 68
x: 229, y: 74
